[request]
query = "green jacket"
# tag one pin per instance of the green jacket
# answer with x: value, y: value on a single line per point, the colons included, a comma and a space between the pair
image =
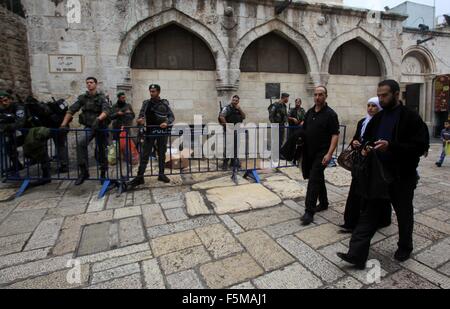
x: 91, y: 107
x: 35, y: 146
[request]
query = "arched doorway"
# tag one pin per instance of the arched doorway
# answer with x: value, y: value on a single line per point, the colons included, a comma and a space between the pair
x: 270, y: 59
x: 183, y: 65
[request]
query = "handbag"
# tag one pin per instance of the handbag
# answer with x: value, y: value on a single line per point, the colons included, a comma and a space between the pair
x: 347, y: 157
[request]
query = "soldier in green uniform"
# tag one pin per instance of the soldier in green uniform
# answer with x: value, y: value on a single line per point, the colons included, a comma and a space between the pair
x: 12, y: 118
x: 157, y: 116
x: 278, y: 114
x: 231, y: 114
x: 122, y: 114
x: 297, y: 115
x: 95, y: 117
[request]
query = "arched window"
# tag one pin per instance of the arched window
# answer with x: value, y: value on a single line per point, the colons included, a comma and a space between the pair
x: 273, y: 54
x: 354, y: 58
x: 172, y: 48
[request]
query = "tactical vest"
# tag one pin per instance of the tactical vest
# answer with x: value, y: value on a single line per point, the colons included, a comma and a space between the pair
x: 92, y: 108
x: 157, y: 112
x: 235, y: 116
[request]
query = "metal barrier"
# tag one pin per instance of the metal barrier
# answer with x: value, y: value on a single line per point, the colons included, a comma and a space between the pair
x: 191, y: 150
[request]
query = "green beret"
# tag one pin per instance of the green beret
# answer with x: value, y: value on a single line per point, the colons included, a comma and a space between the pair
x: 154, y: 86
x: 120, y: 94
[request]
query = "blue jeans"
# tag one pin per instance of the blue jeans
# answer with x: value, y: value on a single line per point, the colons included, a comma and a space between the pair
x: 442, y: 158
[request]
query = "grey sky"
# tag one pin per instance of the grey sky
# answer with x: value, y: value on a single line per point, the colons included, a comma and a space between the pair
x: 442, y: 6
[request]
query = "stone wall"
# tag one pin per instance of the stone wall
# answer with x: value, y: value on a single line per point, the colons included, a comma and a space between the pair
x: 14, y: 62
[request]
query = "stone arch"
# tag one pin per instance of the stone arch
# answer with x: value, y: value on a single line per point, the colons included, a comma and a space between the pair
x: 285, y: 31
x: 423, y: 56
x: 375, y: 45
x: 165, y: 18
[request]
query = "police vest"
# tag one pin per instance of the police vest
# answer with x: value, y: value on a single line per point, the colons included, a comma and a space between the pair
x: 157, y: 112
x: 234, y: 115
x: 92, y: 108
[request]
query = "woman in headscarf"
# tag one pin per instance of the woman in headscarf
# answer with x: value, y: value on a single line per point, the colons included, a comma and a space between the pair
x: 354, y: 200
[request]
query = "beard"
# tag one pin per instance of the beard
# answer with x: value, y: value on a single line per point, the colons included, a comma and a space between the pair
x: 392, y: 103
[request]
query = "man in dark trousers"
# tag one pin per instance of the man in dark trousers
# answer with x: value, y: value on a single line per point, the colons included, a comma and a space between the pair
x: 158, y: 116
x: 399, y: 137
x: 322, y: 136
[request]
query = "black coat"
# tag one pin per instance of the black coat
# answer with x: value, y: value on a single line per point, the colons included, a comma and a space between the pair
x: 410, y: 141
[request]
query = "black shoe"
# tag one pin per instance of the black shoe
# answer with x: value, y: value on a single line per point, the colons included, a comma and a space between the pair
x: 307, y: 219
x: 164, y: 178
x: 346, y: 258
x: 42, y: 182
x: 81, y: 179
x: 402, y: 255
x: 438, y: 164
x: 136, y: 182
x: 321, y: 208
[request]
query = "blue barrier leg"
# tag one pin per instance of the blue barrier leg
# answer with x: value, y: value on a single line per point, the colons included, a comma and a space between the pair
x: 23, y: 188
x: 104, y: 189
x: 253, y: 174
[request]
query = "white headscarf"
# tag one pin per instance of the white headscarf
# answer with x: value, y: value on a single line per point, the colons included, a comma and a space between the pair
x: 375, y: 101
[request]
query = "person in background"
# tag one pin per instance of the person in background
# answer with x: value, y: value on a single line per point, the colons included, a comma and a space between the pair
x: 445, y: 136
x: 122, y: 114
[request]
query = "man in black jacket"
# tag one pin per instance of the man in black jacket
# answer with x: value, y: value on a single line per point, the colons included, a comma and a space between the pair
x: 400, y: 138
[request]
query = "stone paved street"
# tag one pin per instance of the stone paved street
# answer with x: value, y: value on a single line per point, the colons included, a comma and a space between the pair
x: 205, y: 232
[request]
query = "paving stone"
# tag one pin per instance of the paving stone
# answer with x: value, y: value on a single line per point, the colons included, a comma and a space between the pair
x: 164, y: 195
x: 429, y: 274
x: 88, y: 259
x: 14, y: 243
x: 122, y: 260
x: 390, y: 230
x: 56, y: 280
x: 445, y: 269
x: 424, y: 202
x: 438, y: 214
x: 295, y: 206
x: 428, y: 190
x: 285, y: 188
x: 67, y: 241
x: 184, y: 259
x: 332, y: 216
x: 142, y: 197
x: 428, y: 232
x: 153, y: 215
x: 87, y: 219
x: 33, y: 269
x: 310, y: 258
x: 175, y: 242
x: 243, y: 286
x: 436, y: 255
x: 242, y: 198
x: 404, y: 279
x: 265, y: 250
x: 285, y: 228
x: 321, y: 235
x: 6, y: 194
x: 346, y: 283
x: 433, y: 223
x: 23, y: 257
x: 338, y: 177
x: 131, y: 231
x: 152, y: 275
x: 127, y: 212
x: 173, y: 204
x: 114, y: 273
x: 96, y: 204
x: 130, y: 282
x: 95, y: 239
x: 229, y: 271
x: 231, y: 224
x: 294, y: 276
x: 45, y: 234
x: 376, y: 238
x: 116, y: 202
x: 73, y: 210
x: 218, y: 241
x: 293, y: 172
x: 37, y: 204
x: 167, y: 229
x: 175, y: 215
x: 389, y: 245
x: 188, y: 280
x: 6, y: 209
x: 262, y: 218
x: 195, y: 204
x: 21, y: 222
x: 219, y: 183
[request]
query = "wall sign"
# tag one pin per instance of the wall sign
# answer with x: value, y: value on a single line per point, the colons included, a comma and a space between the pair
x: 273, y: 91
x: 65, y: 63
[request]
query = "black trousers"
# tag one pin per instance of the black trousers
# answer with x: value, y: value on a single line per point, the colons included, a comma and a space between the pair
x: 402, y: 194
x: 161, y: 146
x: 316, y: 186
x: 354, y: 207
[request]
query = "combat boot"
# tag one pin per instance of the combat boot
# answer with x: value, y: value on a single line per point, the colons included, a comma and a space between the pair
x: 139, y: 180
x: 84, y: 175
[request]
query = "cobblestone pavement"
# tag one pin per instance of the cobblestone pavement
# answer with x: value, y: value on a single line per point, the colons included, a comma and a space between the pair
x: 196, y: 234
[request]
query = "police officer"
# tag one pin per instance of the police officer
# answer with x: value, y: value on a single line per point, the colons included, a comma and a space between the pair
x: 278, y: 114
x: 296, y: 115
x: 12, y: 118
x: 157, y: 116
x: 122, y: 114
x: 231, y: 114
x: 95, y: 118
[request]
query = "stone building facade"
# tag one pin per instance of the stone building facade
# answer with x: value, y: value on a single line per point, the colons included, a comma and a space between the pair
x: 123, y: 43
x: 14, y: 59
